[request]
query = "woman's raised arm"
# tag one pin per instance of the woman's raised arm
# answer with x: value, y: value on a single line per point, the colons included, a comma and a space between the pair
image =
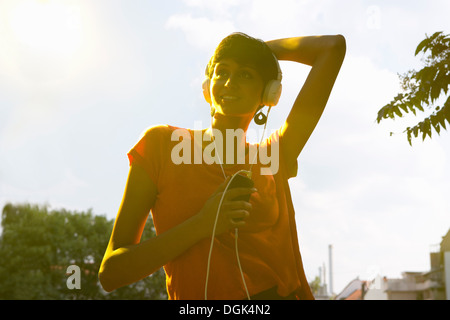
x: 325, y: 55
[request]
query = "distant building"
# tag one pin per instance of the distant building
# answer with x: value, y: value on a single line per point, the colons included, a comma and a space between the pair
x: 355, y: 290
x: 376, y: 289
x: 430, y: 285
x: 444, y: 260
x: 414, y: 286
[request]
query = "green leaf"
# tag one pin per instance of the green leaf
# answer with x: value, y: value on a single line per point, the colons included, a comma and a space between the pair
x: 436, y: 34
x: 441, y: 119
x: 446, y: 110
x: 426, y: 75
x: 399, y: 97
x: 435, y: 123
x: 427, y: 127
x: 415, y: 130
x: 422, y: 45
x: 404, y: 107
x: 421, y: 89
x: 381, y: 114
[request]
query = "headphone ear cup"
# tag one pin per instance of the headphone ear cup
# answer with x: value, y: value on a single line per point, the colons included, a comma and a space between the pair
x: 272, y: 93
x: 206, y: 90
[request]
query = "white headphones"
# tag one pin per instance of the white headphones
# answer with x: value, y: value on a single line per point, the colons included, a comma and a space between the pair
x: 272, y: 91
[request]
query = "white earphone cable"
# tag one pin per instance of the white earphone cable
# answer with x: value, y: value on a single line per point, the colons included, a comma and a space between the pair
x: 217, y: 216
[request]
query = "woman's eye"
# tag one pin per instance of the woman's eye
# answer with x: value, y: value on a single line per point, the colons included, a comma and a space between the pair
x: 246, y: 75
x: 221, y: 73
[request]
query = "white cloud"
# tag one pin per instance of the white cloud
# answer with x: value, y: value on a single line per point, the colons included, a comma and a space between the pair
x: 215, y: 7
x: 53, y: 190
x: 203, y: 32
x: 275, y: 14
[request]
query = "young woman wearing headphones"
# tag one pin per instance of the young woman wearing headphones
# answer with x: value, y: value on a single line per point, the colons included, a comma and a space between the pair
x: 211, y: 245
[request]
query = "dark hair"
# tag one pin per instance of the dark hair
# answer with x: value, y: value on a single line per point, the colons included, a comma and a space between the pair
x: 248, y: 51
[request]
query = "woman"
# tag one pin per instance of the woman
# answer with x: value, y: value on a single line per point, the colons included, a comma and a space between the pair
x: 204, y: 257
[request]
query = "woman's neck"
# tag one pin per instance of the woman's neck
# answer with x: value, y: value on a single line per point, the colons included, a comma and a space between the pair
x: 229, y: 134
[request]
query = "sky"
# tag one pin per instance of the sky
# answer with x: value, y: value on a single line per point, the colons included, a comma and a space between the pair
x: 81, y: 80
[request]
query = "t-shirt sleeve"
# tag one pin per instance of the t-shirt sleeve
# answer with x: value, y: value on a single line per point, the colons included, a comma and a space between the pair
x: 278, y: 161
x: 291, y: 165
x: 148, y: 151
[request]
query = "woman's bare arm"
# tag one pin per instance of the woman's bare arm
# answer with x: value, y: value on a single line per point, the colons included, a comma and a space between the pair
x: 128, y: 260
x: 325, y: 55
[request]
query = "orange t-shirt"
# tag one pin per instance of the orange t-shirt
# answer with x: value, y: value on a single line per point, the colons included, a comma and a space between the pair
x: 268, y: 244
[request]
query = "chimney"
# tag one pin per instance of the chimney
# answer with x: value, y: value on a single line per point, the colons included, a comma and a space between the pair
x: 330, y: 257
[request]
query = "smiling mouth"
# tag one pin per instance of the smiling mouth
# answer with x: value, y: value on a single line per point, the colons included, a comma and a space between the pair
x: 229, y: 98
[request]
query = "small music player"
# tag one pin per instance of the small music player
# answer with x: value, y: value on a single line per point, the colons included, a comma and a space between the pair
x: 238, y: 181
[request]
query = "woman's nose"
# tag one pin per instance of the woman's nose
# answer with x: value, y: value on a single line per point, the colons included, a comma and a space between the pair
x: 231, y: 81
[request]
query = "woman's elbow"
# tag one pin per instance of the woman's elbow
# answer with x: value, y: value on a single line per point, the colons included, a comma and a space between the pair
x: 106, y: 281
x: 339, y: 43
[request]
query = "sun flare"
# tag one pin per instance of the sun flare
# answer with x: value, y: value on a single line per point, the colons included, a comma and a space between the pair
x: 47, y: 26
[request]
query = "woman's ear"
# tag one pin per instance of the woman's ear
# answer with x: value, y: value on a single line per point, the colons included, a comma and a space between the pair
x: 206, y: 90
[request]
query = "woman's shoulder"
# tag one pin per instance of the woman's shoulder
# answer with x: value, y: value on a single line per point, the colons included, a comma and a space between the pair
x: 159, y: 128
x: 161, y: 136
x: 160, y: 131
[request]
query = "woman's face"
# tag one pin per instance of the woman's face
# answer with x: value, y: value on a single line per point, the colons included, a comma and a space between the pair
x: 236, y: 89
